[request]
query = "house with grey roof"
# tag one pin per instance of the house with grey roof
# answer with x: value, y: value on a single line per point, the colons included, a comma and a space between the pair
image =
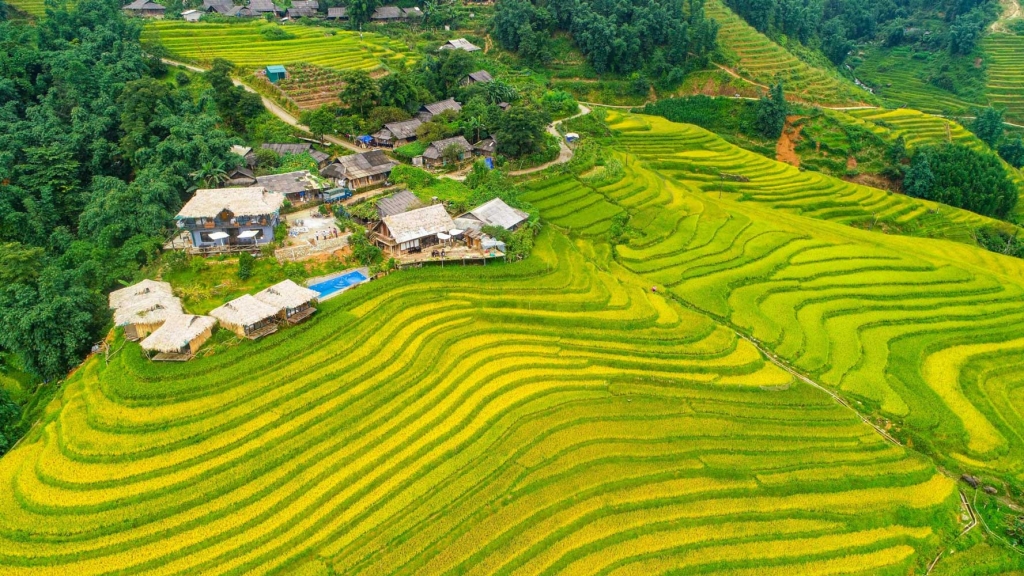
x: 395, y: 134
x: 478, y: 77
x: 387, y: 14
x: 302, y: 148
x: 428, y: 111
x: 487, y: 147
x: 434, y: 154
x: 357, y: 171
x: 397, y: 203
x: 263, y: 7
x: 337, y: 13
x: 459, y: 44
x: 298, y: 186
x: 145, y: 8
x: 303, y: 9
x: 218, y: 6
x: 492, y: 213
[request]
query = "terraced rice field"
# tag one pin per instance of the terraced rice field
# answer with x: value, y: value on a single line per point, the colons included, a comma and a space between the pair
x: 893, y: 74
x: 1004, y: 54
x: 924, y: 331
x: 765, y: 62
x: 242, y: 44
x: 35, y: 8
x: 553, y: 415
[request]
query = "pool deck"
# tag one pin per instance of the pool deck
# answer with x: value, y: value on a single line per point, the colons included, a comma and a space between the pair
x: 319, y: 279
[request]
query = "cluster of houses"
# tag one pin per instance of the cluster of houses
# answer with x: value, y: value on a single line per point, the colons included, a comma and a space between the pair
x: 258, y: 8
x: 407, y: 227
x: 148, y: 311
x: 395, y: 134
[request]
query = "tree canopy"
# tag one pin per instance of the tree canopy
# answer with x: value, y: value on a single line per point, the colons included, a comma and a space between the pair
x: 960, y: 176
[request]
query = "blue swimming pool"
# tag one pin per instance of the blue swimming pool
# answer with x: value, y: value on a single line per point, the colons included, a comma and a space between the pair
x: 338, y: 284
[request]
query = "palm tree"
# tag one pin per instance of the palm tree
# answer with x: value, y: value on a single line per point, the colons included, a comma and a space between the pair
x: 474, y: 123
x: 210, y: 174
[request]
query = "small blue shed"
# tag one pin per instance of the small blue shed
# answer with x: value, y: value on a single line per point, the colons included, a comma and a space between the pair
x: 275, y: 73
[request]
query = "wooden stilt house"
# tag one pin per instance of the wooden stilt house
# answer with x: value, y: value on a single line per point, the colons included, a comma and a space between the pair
x: 247, y: 317
x: 294, y: 303
x: 179, y: 338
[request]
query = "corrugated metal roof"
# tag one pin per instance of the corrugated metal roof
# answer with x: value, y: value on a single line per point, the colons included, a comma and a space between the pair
x: 438, y: 107
x: 498, y: 213
x: 436, y: 148
x: 398, y: 203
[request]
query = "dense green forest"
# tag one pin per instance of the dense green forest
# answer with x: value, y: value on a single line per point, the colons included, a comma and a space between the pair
x: 96, y: 155
x: 663, y: 36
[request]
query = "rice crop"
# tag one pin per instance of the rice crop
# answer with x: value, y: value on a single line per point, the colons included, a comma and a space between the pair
x: 1005, y: 84
x: 552, y: 415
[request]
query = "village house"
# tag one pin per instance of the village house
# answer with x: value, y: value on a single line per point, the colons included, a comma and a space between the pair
x: 397, y: 203
x: 248, y: 317
x: 459, y: 44
x: 428, y: 111
x: 337, y: 13
x: 412, y: 231
x: 293, y: 303
x: 395, y: 134
x: 297, y: 187
x: 303, y: 9
x: 218, y: 6
x: 145, y: 8
x: 261, y: 7
x: 179, y: 338
x: 493, y: 213
x: 412, y: 13
x: 142, y: 317
x: 487, y: 147
x: 240, y: 177
x: 478, y: 77
x: 241, y: 12
x: 358, y: 171
x: 231, y: 217
x: 433, y: 156
x: 191, y: 15
x: 247, y: 154
x: 387, y: 14
x: 131, y: 294
x: 321, y: 158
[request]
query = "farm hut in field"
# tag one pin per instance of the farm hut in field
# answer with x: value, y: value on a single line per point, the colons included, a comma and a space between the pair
x: 357, y: 171
x: 191, y: 15
x: 428, y: 111
x: 298, y: 186
x: 294, y: 303
x: 504, y: 106
x: 145, y: 8
x: 397, y: 203
x: 131, y: 294
x: 179, y: 338
x: 248, y: 317
x: 240, y: 177
x: 321, y: 158
x: 459, y: 44
x: 387, y: 14
x: 144, y: 316
x: 478, y: 77
x: 395, y: 134
x: 412, y: 231
x: 337, y: 13
x: 434, y: 154
x: 276, y: 73
x: 493, y: 213
x: 486, y: 147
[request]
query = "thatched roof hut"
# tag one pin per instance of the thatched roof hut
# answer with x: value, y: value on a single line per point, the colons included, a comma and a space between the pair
x: 292, y: 301
x: 123, y: 296
x: 247, y: 317
x: 153, y: 309
x: 179, y: 337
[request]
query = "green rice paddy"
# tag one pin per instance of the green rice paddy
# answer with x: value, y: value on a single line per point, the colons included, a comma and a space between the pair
x: 1004, y: 54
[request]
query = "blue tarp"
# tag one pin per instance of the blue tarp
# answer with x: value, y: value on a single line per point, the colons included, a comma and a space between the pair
x: 366, y: 139
x: 489, y: 162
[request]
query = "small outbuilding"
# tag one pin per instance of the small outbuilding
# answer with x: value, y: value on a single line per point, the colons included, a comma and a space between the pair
x: 459, y: 44
x: 478, y: 77
x: 142, y: 317
x: 337, y: 13
x: 247, y: 154
x: 487, y: 147
x: 191, y: 15
x: 412, y: 231
x: 263, y: 7
x: 493, y: 213
x: 397, y: 203
x: 276, y: 73
x: 303, y: 9
x: 240, y: 176
x: 434, y: 154
x: 298, y: 186
x: 248, y: 317
x: 395, y: 134
x: 293, y: 303
x: 428, y: 111
x: 321, y: 158
x: 387, y: 14
x: 136, y: 292
x: 179, y: 338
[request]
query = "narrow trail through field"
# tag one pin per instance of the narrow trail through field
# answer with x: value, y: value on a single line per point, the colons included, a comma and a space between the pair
x: 733, y: 73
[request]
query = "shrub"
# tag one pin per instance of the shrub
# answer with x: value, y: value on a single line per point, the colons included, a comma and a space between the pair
x: 245, y: 265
